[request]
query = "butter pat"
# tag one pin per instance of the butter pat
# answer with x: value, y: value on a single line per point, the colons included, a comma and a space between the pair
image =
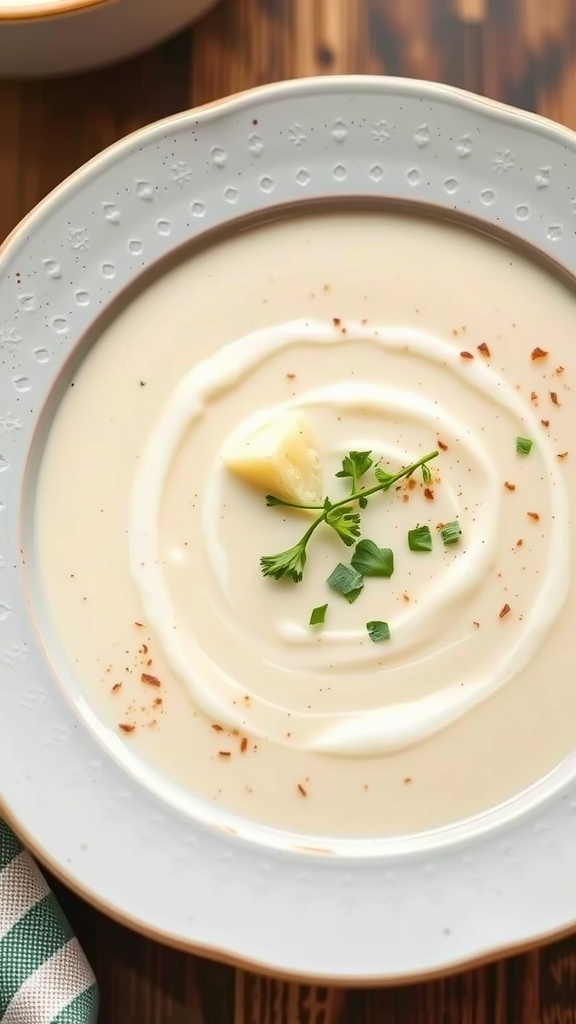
x: 280, y: 459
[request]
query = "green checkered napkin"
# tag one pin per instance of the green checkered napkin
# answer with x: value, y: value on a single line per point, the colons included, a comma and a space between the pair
x: 44, y: 975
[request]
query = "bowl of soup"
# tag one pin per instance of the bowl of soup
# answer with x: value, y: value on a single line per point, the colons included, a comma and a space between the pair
x: 286, y: 487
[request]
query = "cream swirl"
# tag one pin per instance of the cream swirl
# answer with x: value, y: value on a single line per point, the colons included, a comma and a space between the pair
x: 389, y: 727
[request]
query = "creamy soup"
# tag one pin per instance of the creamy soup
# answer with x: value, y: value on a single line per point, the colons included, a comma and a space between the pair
x: 443, y: 687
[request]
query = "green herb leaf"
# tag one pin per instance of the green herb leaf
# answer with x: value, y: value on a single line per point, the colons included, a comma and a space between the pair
x: 384, y: 478
x: 318, y: 616
x: 345, y: 521
x: 451, y: 533
x: 362, y: 501
x: 420, y: 539
x: 378, y: 631
x: 524, y: 445
x: 354, y: 466
x: 288, y: 563
x: 347, y: 581
x: 370, y: 560
x: 426, y: 474
x: 272, y: 500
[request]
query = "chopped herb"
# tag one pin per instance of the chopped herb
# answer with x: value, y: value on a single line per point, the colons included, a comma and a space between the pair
x: 524, y: 445
x: 318, y: 616
x: 370, y: 560
x: 451, y: 533
x: 378, y: 631
x: 420, y: 539
x: 347, y: 581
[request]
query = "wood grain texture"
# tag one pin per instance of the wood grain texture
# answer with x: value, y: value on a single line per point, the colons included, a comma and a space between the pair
x: 520, y: 51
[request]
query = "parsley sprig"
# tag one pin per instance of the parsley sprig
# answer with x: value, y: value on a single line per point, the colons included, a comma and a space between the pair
x: 342, y: 516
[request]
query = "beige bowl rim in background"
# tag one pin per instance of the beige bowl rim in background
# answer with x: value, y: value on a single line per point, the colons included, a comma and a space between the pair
x: 46, y: 9
x: 58, y: 37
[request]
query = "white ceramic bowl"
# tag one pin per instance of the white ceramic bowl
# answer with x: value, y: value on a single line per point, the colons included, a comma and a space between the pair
x: 45, y: 37
x: 174, y: 866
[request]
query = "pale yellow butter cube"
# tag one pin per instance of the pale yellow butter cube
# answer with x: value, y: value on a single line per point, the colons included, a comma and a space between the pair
x: 279, y: 458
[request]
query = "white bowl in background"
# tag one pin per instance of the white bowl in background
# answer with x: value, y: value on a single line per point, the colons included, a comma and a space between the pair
x: 46, y: 37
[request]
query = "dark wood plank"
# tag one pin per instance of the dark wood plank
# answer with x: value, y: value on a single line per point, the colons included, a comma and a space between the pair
x: 520, y: 51
x: 530, y: 56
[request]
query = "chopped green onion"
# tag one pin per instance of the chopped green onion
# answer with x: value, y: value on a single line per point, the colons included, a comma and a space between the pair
x: 378, y: 631
x: 420, y: 539
x: 370, y: 560
x: 426, y: 474
x: 524, y: 445
x: 347, y: 581
x: 451, y: 533
x: 318, y: 615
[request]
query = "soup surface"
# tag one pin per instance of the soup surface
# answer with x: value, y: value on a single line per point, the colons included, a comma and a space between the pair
x: 445, y: 687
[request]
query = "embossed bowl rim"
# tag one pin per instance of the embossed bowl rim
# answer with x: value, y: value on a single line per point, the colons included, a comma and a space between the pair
x: 345, y: 911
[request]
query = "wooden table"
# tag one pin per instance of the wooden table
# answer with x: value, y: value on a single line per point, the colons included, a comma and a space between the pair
x: 521, y: 51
